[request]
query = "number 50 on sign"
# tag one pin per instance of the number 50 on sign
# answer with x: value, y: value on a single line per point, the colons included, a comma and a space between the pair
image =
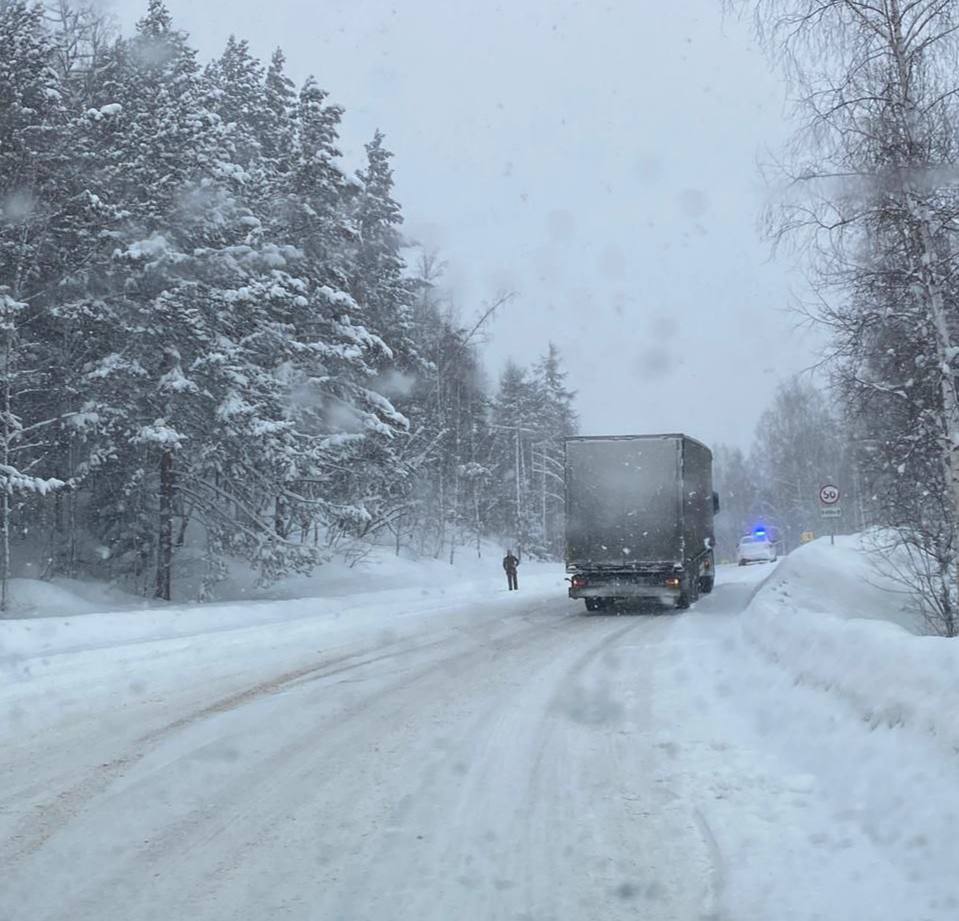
x: 829, y: 494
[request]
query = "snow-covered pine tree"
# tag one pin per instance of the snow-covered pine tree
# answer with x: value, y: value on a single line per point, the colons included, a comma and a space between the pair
x: 515, y: 429
x: 532, y: 415
x: 159, y: 147
x: 278, y: 132
x: 317, y: 185
x: 207, y: 325
x: 379, y: 283
x: 17, y: 479
x: 238, y: 97
x: 557, y: 422
x: 355, y: 429
x: 189, y: 409
x: 244, y: 337
x: 43, y: 213
x: 33, y: 125
x: 448, y: 408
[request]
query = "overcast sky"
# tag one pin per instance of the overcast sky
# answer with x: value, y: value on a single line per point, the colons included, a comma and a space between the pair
x: 598, y: 158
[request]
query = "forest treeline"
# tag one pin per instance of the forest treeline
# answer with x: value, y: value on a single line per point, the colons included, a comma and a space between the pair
x: 801, y: 443
x: 216, y: 343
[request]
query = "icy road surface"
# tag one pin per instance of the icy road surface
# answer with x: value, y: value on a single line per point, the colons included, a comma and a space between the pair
x: 468, y: 760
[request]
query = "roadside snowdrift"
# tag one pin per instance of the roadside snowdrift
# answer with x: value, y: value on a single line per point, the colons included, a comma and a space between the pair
x: 36, y: 598
x: 51, y: 618
x: 836, y: 797
x: 830, y: 620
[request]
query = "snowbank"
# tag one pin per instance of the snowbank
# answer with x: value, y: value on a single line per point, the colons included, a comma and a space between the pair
x: 65, y: 668
x: 830, y: 619
x: 50, y: 618
x: 836, y: 795
x: 36, y: 598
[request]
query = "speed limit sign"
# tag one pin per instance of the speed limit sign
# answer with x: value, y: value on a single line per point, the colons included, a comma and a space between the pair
x: 829, y: 494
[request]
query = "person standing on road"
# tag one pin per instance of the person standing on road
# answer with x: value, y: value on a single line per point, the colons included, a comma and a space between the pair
x: 510, y: 563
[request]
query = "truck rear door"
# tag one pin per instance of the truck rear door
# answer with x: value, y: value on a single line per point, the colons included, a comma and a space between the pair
x: 623, y: 501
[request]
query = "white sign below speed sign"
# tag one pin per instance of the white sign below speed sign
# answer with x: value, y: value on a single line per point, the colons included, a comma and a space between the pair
x: 829, y: 494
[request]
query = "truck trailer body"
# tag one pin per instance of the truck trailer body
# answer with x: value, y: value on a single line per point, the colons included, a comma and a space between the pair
x: 639, y: 519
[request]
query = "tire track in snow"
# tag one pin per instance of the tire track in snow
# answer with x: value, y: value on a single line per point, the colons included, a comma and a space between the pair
x: 45, y: 818
x: 444, y: 802
x: 717, y: 876
x: 505, y: 664
x: 509, y: 777
x: 259, y: 795
x: 565, y: 706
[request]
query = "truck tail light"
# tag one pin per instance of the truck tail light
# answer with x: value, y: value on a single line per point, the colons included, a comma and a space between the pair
x: 672, y: 582
x: 579, y: 581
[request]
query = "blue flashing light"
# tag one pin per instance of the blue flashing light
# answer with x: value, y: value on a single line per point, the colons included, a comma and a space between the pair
x: 759, y: 532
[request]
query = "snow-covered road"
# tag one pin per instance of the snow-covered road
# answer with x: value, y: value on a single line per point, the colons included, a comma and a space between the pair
x: 500, y: 759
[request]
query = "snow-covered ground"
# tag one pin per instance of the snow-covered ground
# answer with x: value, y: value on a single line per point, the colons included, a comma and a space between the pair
x: 433, y: 747
x: 839, y: 796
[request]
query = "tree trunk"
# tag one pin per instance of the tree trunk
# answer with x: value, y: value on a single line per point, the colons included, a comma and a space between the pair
x: 7, y: 487
x: 947, y: 381
x: 165, y: 542
x: 5, y: 576
x: 455, y: 524
x: 519, y: 499
x: 71, y: 561
x: 927, y: 257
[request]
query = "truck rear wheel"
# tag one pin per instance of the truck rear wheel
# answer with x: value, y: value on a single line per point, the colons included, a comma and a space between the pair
x: 594, y: 604
x: 708, y: 578
x: 689, y: 593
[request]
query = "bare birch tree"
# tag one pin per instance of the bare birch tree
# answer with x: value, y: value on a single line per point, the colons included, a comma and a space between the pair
x: 871, y: 191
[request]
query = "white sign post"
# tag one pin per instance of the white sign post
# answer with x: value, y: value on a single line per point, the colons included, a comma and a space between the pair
x: 829, y: 508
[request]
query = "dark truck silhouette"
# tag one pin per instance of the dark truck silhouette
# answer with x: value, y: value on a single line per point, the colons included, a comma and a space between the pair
x: 639, y: 519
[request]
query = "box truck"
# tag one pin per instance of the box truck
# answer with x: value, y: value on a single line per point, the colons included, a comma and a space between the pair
x: 639, y: 519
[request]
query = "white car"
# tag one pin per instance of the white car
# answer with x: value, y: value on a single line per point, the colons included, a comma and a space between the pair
x: 756, y: 548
